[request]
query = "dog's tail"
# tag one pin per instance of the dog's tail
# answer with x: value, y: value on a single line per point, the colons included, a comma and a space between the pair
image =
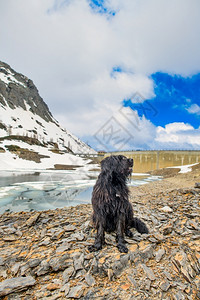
x: 139, y: 225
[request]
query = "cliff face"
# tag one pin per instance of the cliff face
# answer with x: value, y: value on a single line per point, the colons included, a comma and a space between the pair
x: 16, y: 90
x: 27, y: 123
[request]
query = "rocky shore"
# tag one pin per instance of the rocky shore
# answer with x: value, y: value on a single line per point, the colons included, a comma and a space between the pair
x: 43, y: 255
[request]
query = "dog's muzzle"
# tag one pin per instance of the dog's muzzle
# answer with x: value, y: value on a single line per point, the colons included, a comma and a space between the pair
x: 130, y: 169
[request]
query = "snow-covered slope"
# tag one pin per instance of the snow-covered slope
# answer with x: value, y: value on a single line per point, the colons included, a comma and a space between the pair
x: 28, y: 131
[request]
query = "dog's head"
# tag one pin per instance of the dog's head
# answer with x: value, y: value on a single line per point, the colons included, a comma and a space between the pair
x: 117, y: 164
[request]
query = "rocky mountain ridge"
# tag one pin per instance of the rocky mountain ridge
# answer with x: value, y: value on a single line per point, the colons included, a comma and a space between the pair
x: 27, y: 123
x: 17, y: 90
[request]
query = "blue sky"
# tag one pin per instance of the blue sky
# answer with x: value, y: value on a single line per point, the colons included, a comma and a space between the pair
x: 94, y: 60
x: 177, y: 99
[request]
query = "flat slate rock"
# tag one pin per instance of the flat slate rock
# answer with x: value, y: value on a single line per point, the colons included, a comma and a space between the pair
x: 16, y: 284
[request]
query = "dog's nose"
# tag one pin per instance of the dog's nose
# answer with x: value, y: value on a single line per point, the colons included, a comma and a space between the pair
x: 131, y: 161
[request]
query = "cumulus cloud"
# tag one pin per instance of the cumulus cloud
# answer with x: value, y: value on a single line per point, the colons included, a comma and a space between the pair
x: 70, y: 50
x: 194, y: 109
x: 177, y: 136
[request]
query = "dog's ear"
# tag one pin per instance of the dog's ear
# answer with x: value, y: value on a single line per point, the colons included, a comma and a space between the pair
x: 106, y: 164
x: 107, y: 168
x: 109, y: 164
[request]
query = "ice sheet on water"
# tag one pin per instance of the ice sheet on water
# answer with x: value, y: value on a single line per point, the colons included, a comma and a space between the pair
x: 50, y: 190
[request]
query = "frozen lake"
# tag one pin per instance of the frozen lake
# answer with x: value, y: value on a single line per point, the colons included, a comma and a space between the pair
x: 27, y: 191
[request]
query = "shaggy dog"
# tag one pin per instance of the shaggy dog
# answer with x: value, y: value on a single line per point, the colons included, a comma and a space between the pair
x: 112, y: 210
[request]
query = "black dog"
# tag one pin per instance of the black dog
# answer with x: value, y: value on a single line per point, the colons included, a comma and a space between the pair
x: 112, y: 210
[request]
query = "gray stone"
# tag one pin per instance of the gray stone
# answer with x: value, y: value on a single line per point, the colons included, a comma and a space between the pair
x: 33, y: 219
x: 167, y: 209
x: 147, y: 284
x: 60, y: 263
x: 24, y: 269
x: 90, y: 279
x: 45, y: 242
x: 149, y: 272
x: 64, y: 247
x: 165, y: 286
x: 1, y: 261
x: 159, y: 254
x: 86, y: 226
x: 91, y: 294
x: 168, y: 275
x: 197, y: 185
x: 3, y: 272
x: 59, y: 232
x: 10, y: 238
x: 124, y: 259
x: 16, y: 284
x: 80, y: 273
x: 15, y: 268
x: 69, y: 228
x: 168, y: 230
x: 94, y: 268
x: 132, y: 280
x: 147, y: 253
x: 44, y: 268
x: 178, y: 296
x: 67, y: 274
x: 75, y: 292
x: 43, y: 232
x: 66, y: 288
x: 78, y: 262
x: 34, y: 262
x: 152, y: 240
x: 183, y: 266
x: 117, y: 268
x: 77, y: 236
x: 110, y: 274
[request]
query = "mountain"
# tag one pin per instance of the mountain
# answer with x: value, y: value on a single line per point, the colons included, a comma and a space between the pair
x: 30, y: 137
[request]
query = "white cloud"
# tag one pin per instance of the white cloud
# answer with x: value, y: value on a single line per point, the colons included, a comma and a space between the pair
x: 141, y: 130
x: 140, y: 133
x: 194, y: 109
x: 177, y: 136
x: 69, y: 52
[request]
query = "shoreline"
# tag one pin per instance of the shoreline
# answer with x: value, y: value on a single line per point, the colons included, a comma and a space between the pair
x: 44, y: 254
x: 38, y: 192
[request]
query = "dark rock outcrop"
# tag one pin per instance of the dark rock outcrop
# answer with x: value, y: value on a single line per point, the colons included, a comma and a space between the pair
x: 16, y: 90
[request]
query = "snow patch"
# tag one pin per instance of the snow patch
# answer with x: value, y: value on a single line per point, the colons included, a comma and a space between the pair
x: 28, y: 124
x: 184, y: 169
x: 9, y: 77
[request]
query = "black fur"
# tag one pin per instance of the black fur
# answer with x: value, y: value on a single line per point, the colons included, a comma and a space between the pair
x: 112, y: 210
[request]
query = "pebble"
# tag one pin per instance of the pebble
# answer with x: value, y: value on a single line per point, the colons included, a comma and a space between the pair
x: 32, y: 219
x: 166, y: 209
x: 159, y: 254
x: 149, y: 272
x: 90, y: 280
x: 165, y: 286
x: 75, y: 292
x: 67, y: 274
x: 59, y: 263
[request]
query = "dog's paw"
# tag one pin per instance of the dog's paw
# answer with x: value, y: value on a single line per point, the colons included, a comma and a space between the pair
x: 122, y: 248
x: 144, y: 230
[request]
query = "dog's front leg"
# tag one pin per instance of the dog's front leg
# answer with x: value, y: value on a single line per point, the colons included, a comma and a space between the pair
x: 120, y: 234
x: 99, y: 240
